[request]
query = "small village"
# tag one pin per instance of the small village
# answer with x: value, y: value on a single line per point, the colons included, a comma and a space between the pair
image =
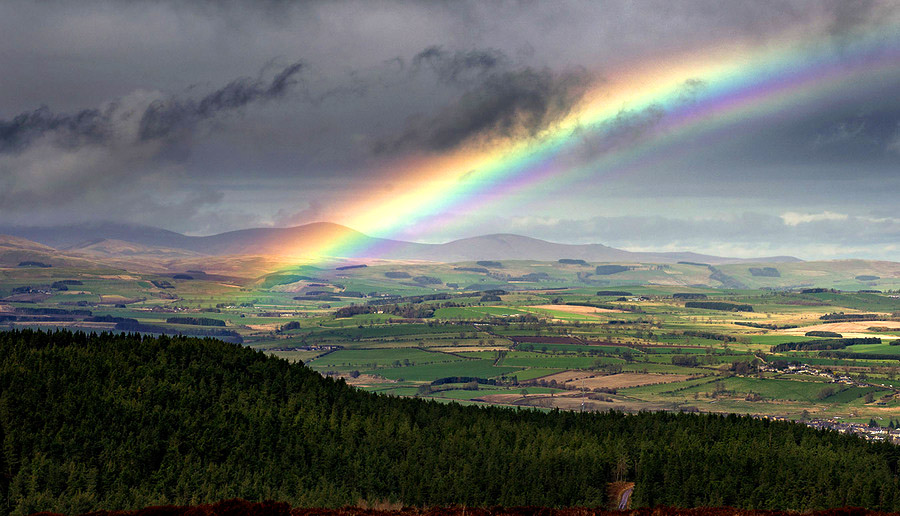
x: 835, y: 377
x: 868, y: 431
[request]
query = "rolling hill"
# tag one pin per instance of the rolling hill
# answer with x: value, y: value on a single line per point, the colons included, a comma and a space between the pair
x: 111, y: 248
x: 294, y: 241
x: 16, y: 250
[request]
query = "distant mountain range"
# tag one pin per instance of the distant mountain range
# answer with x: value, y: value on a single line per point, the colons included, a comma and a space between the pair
x: 121, y: 240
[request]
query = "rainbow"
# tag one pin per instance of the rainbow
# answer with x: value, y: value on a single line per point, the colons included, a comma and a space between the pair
x: 671, y: 101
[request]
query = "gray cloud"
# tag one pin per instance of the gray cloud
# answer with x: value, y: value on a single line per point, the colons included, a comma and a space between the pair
x: 510, y: 104
x: 851, y: 15
x: 893, y: 145
x: 627, y: 127
x: 748, y: 233
x: 854, y: 132
x: 459, y: 66
x: 87, y: 126
x: 159, y: 119
x: 162, y: 118
x: 314, y: 212
x: 126, y: 156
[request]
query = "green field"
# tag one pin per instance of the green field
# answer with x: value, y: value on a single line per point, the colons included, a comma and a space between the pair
x: 881, y: 349
x: 530, y: 359
x: 767, y: 388
x: 429, y: 372
x: 376, y: 358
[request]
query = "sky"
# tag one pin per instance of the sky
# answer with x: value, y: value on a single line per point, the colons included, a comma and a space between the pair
x: 730, y: 128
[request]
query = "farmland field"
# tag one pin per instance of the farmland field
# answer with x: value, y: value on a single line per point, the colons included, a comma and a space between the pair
x: 472, y: 337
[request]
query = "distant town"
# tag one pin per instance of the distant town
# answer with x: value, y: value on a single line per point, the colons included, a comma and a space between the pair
x: 868, y: 431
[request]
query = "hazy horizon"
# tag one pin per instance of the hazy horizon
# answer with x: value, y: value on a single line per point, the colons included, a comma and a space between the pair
x: 25, y: 231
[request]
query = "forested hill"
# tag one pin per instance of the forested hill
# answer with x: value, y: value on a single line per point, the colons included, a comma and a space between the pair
x: 124, y: 421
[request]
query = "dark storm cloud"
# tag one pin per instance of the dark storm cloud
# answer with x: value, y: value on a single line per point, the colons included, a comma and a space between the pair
x: 87, y: 126
x: 509, y: 104
x: 160, y: 119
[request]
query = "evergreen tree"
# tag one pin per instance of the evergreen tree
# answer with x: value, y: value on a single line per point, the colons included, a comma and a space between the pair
x: 91, y: 422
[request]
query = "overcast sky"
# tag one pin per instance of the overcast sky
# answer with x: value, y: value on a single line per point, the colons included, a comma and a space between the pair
x: 202, y: 117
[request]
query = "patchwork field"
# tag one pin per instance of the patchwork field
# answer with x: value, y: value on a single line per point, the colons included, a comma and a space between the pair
x: 540, y: 334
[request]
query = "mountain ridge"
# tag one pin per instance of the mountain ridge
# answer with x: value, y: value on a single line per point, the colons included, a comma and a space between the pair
x: 292, y: 241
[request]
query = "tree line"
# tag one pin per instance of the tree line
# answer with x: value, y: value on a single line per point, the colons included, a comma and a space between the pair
x: 121, y: 421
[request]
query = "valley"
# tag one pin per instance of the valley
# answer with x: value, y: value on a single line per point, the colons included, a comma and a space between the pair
x: 568, y: 333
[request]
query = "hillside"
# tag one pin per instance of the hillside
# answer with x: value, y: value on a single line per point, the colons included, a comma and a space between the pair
x: 130, y: 421
x: 517, y: 247
x: 104, y: 254
x: 62, y: 237
x: 110, y: 248
x: 7, y: 241
x: 16, y: 250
